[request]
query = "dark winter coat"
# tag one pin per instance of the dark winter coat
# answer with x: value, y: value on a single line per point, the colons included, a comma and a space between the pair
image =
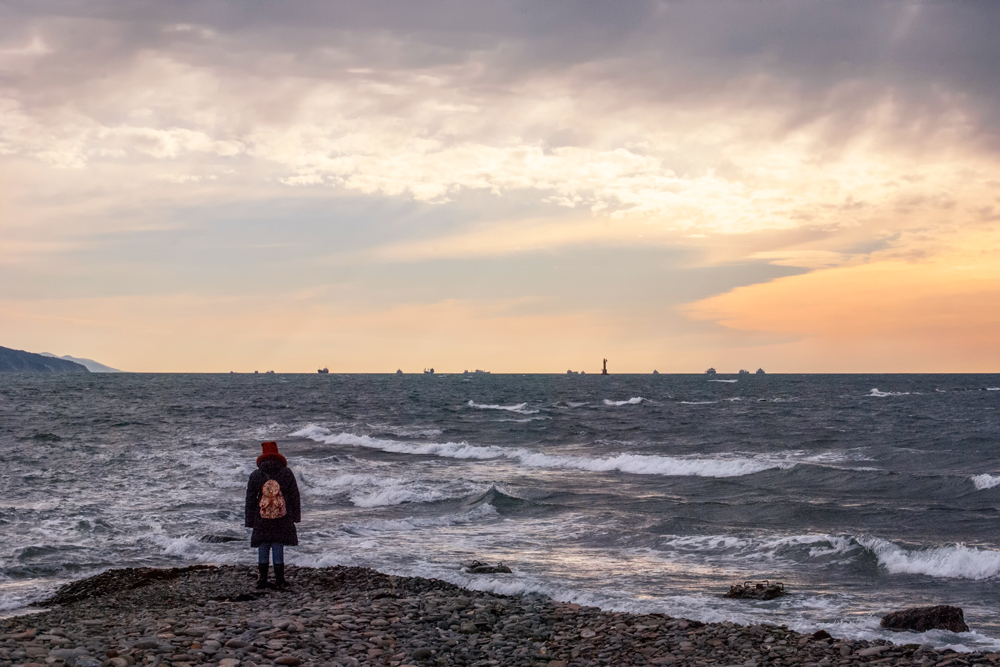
x: 280, y: 530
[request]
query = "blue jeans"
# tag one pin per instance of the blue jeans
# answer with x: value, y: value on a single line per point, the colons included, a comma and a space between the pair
x: 276, y: 549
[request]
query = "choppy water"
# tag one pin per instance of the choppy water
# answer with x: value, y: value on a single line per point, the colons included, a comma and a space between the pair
x: 862, y: 493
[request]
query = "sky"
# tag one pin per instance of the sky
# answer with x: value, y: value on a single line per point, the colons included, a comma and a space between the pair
x: 214, y: 186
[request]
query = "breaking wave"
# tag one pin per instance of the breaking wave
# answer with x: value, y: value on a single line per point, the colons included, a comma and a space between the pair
x: 955, y: 561
x: 636, y: 400
x: 521, y: 408
x: 985, y: 481
x: 882, y: 394
x: 789, y: 548
x: 636, y: 464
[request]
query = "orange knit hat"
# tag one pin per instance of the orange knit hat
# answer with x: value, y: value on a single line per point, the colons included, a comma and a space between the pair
x: 271, y: 453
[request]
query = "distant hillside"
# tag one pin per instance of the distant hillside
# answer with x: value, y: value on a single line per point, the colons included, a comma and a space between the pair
x: 92, y: 366
x: 19, y: 361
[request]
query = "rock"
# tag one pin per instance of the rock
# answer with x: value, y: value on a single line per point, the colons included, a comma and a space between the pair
x: 229, y: 662
x: 118, y: 662
x: 237, y: 643
x: 67, y: 654
x: 820, y: 635
x: 872, y: 650
x: 922, y: 619
x: 477, y: 567
x: 87, y: 661
x: 289, y: 660
x: 422, y: 654
x: 762, y: 590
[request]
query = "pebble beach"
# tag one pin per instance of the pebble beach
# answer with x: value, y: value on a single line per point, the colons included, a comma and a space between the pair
x: 353, y: 617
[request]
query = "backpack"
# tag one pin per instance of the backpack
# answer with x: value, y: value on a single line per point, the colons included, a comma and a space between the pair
x: 272, y: 503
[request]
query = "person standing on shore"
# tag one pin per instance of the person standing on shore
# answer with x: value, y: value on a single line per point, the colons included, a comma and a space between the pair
x: 272, y: 510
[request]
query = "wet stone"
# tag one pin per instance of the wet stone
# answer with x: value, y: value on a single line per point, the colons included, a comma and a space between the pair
x: 355, y: 617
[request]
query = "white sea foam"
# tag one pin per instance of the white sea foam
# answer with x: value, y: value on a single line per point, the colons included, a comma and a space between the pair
x: 697, y: 402
x: 763, y: 548
x: 985, y: 481
x: 404, y: 491
x: 993, y: 389
x: 521, y: 408
x: 955, y: 561
x: 726, y: 381
x: 635, y: 400
x: 882, y: 394
x: 724, y: 465
x: 839, y: 456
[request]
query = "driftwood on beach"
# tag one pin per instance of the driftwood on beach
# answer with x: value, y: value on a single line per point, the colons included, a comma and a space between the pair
x: 356, y: 617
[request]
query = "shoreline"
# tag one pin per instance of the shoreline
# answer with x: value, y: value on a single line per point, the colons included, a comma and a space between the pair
x: 358, y: 617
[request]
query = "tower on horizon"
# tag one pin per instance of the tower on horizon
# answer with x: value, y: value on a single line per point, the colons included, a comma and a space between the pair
x: 604, y: 371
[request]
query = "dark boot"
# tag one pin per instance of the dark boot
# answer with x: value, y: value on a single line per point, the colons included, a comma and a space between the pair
x: 279, y: 576
x: 262, y: 574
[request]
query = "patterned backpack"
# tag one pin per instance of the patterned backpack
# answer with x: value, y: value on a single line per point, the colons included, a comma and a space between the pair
x: 272, y: 503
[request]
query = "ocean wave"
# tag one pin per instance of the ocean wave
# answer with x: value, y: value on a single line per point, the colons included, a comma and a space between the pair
x: 839, y: 456
x: 485, y: 511
x: 882, y: 394
x: 956, y: 561
x: 401, y: 432
x: 993, y: 389
x: 374, y: 490
x: 726, y: 381
x: 729, y: 465
x: 985, y: 481
x: 521, y: 408
x: 819, y: 546
x: 635, y: 400
x: 697, y: 402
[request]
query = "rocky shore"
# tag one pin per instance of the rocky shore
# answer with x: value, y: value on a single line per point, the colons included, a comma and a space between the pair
x: 350, y: 617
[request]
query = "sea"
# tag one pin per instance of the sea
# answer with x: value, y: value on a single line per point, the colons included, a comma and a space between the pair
x: 862, y: 494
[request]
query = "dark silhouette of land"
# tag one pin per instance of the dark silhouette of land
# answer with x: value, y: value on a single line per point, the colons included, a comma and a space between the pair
x: 19, y: 361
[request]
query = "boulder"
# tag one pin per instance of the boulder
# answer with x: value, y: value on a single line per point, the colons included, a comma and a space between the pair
x: 762, y: 590
x: 921, y: 619
x: 477, y: 567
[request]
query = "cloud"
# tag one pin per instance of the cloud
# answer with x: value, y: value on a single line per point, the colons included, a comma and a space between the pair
x: 615, y: 129
x: 922, y: 314
x: 833, y: 137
